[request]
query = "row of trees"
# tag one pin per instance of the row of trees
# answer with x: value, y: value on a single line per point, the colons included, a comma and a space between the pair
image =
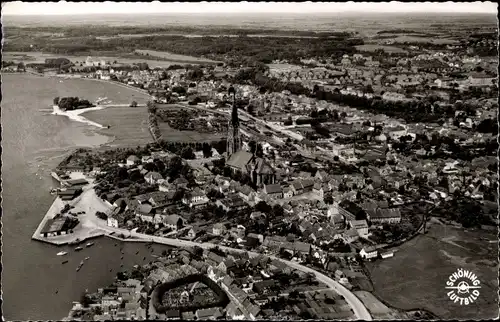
x: 71, y: 103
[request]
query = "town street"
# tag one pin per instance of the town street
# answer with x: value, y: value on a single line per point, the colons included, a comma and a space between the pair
x: 90, y: 219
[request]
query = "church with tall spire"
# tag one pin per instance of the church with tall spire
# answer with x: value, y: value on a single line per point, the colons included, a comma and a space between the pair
x: 238, y: 160
x: 233, y: 135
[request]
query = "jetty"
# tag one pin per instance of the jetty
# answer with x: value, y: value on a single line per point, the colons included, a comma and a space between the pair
x: 55, y: 176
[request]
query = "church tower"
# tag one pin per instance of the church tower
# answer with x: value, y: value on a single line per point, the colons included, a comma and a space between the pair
x: 233, y: 135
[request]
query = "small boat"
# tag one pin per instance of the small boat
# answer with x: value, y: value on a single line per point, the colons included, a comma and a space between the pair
x: 57, y: 291
x: 75, y: 242
x: 79, y: 266
x: 121, y: 257
x: 61, y: 253
x: 137, y: 252
x: 89, y: 244
x: 78, y: 249
x: 64, y: 262
x: 87, y: 258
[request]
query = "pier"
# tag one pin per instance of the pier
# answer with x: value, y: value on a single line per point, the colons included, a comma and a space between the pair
x: 82, y: 232
x: 56, y: 177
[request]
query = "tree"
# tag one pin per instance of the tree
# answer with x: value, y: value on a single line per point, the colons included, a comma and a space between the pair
x: 133, y: 104
x: 151, y: 107
x: 187, y: 153
x: 253, y: 146
x: 259, y: 152
x: 207, y: 150
x: 56, y: 100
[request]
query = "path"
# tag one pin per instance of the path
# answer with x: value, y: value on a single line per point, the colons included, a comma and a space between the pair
x: 90, y: 203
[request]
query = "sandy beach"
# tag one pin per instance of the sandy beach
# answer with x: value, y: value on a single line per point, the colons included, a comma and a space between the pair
x: 75, y: 114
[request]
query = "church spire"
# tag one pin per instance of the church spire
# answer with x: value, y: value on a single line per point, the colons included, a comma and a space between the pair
x: 234, y: 113
x: 233, y: 136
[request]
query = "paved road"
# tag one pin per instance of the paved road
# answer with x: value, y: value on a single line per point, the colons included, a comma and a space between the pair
x: 89, y: 220
x: 357, y: 306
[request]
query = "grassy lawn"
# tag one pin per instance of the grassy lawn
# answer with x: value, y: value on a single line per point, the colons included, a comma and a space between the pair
x: 416, y: 276
x: 372, y: 47
x: 128, y: 125
x: 174, y: 135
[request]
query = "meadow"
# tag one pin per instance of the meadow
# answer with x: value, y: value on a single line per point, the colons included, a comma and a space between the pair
x: 39, y: 57
x: 416, y: 276
x: 372, y: 48
x: 171, y: 134
x: 128, y: 125
x: 431, y: 40
x: 174, y: 57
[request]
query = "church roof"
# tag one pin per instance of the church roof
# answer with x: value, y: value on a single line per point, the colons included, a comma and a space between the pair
x: 240, y: 159
x: 262, y: 167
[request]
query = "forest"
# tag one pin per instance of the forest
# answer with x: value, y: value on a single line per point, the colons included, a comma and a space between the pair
x: 84, y: 41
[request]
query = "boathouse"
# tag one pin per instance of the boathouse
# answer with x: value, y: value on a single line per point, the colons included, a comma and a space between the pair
x: 69, y: 194
x: 55, y: 227
x: 74, y: 183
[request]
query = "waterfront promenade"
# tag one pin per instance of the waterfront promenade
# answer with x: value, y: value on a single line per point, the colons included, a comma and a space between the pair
x: 90, y: 225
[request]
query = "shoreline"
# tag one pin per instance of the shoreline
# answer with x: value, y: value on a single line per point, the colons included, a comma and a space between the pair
x: 71, y: 76
x: 74, y: 115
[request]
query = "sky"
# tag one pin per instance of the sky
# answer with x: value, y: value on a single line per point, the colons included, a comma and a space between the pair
x: 108, y: 7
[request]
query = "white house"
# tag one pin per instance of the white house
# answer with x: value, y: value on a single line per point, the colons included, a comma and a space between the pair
x: 361, y: 227
x: 153, y: 177
x: 132, y: 160
x: 195, y: 198
x: 396, y: 132
x: 368, y: 253
x: 218, y: 229
x: 147, y: 159
x: 112, y: 222
x: 174, y: 222
x: 287, y: 192
x: 387, y: 254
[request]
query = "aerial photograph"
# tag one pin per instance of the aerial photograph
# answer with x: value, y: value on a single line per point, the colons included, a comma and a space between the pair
x: 249, y: 161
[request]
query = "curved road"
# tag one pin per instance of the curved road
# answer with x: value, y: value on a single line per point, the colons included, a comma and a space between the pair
x: 357, y: 306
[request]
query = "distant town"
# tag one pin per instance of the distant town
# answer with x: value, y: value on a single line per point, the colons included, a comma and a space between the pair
x: 309, y: 170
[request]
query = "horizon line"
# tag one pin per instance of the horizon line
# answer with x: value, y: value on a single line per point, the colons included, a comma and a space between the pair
x: 250, y: 12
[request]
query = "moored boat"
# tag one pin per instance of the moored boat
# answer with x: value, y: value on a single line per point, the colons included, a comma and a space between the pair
x: 61, y: 253
x: 64, y: 262
x: 87, y: 258
x: 78, y: 249
x: 89, y: 244
x: 75, y: 242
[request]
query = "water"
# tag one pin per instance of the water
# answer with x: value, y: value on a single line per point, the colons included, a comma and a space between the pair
x: 34, y: 142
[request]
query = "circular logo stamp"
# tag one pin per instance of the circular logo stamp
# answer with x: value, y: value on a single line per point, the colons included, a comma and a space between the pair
x: 464, y: 287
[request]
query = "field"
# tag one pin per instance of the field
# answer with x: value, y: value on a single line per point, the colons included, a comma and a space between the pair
x: 388, y: 49
x: 283, y: 67
x: 432, y: 40
x: 174, y: 57
x: 128, y: 125
x: 416, y: 276
x: 377, y: 309
x: 39, y: 57
x: 174, y: 135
